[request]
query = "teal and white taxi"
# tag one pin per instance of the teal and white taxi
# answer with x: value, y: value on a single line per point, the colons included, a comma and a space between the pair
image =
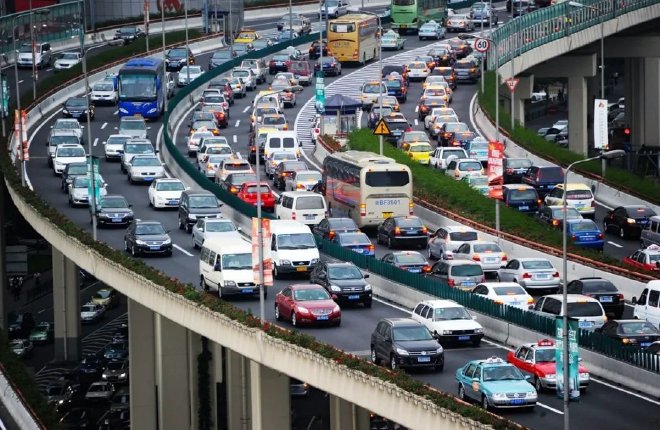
x: 392, y: 40
x: 494, y: 383
x: 431, y: 30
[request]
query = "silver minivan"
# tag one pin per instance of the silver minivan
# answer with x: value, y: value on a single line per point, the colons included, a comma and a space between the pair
x: 651, y: 234
x: 462, y: 274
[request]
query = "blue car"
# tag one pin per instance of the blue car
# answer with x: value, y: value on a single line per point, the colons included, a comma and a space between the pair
x: 356, y: 242
x: 477, y: 148
x: 397, y: 87
x: 464, y: 138
x: 494, y: 383
x: 584, y: 233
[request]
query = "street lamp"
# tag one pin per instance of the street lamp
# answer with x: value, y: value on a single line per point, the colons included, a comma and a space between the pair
x: 380, y: 72
x: 608, y: 155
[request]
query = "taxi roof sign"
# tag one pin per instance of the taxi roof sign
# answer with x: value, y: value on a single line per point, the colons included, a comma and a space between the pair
x: 382, y: 129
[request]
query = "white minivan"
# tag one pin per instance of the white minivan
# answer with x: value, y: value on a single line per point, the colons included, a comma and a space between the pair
x: 647, y: 307
x: 293, y: 248
x: 587, y: 310
x: 306, y: 207
x: 281, y: 141
x: 226, y: 267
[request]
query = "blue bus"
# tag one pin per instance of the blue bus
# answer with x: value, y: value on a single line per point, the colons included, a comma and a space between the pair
x: 140, y: 88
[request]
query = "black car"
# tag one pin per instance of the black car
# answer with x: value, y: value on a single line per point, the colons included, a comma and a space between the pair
x: 121, y: 334
x: 76, y: 107
x: 115, y: 351
x: 628, y: 221
x: 20, y: 325
x: 90, y: 367
x: 121, y: 400
x: 442, y: 56
x: 397, y: 127
x: 513, y: 169
x: 76, y: 418
x: 376, y: 113
x: 71, y: 171
x: 197, y: 204
x: 602, y: 290
x: 331, y: 66
x: 176, y: 58
x: 403, y: 343
x: 129, y: 34
x: 234, y: 181
x: 345, y: 280
x: 314, y: 49
x: 448, y: 131
x: 554, y: 215
x: 114, y: 210
x: 524, y: 198
x: 73, y: 397
x: 329, y: 227
x: 543, y: 178
x: 411, y: 261
x: 403, y: 231
x: 399, y: 69
x: 631, y: 332
x: 115, y: 419
x: 221, y: 57
x: 147, y: 237
x: 284, y: 169
x: 426, y: 105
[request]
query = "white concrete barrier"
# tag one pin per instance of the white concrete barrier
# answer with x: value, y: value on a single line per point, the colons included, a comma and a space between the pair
x: 15, y: 406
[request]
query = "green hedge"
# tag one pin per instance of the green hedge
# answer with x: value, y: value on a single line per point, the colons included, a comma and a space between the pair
x: 623, y: 179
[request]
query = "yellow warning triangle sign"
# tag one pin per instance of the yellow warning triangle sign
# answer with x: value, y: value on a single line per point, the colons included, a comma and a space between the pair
x: 382, y: 129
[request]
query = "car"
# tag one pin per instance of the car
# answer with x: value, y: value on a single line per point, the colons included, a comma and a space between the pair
x: 99, y: 392
x: 495, y: 383
x: 176, y: 58
x: 275, y: 159
x: 248, y: 193
x: 129, y: 34
x: 392, y: 40
x: 577, y: 195
x: 405, y: 343
x: 397, y: 124
x: 329, y: 227
x: 243, y: 48
x: 431, y: 30
x: 20, y: 324
x: 398, y: 230
x: 233, y: 181
x: 488, y: 254
x: 165, y: 193
x: 71, y: 171
x: 286, y: 19
x: 396, y: 87
x: 66, y: 153
x: 221, y: 57
x: 369, y: 94
x: 587, y: 310
x: 70, y: 125
x: 315, y: 47
x: 387, y: 100
x: 21, y: 347
x: 345, y: 280
x: 483, y: 13
x: 302, y: 72
x: 104, y: 92
x: 448, y: 239
x: 505, y: 293
x: 287, y: 96
x: 645, y: 258
x: 417, y: 70
x: 461, y: 274
x: 467, y: 69
x: 197, y: 204
x: 279, y: 62
x: 447, y: 132
x: 76, y: 418
x: 90, y: 366
x: 419, y: 152
x: 461, y: 167
x: 116, y: 372
x: 478, y: 182
x: 42, y: 52
x: 543, y: 178
x: 459, y: 23
x: 539, y: 361
x: 232, y: 165
x: 246, y: 76
x: 514, y: 168
x: 329, y: 64
x: 115, y: 351
x: 446, y: 72
x: 460, y: 47
x: 212, y: 161
x: 121, y: 334
x: 134, y: 126
x: 436, y: 124
x: 584, y: 233
x: 195, y: 138
x: 355, y: 241
x: 107, y: 297
x: 427, y: 104
x: 286, y: 35
x: 216, y: 106
x: 523, y: 198
x: 628, y: 221
x: 147, y: 237
x: 284, y: 169
x: 113, y: 210
x: 443, y: 56
x: 530, y: 273
x: 306, y: 304
x: 91, y: 313
x: 443, y: 156
x: 55, y: 391
x: 42, y: 333
x: 603, y: 290
x: 78, y: 107
x: 630, y: 332
x: 114, y: 146
x: 216, y: 228
x: 448, y: 322
x: 333, y: 9
x: 414, y: 136
x: 121, y: 400
x: 304, y: 180
x: 554, y: 215
x: 411, y: 261
x: 189, y: 73
x: 79, y: 190
x: 145, y: 168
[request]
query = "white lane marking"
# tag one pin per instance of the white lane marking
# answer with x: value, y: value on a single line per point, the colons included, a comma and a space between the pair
x: 247, y: 108
x: 104, y: 125
x: 235, y: 139
x: 416, y: 109
x: 238, y: 121
x: 49, y: 70
x: 41, y: 311
x: 182, y: 250
x: 614, y: 244
x: 36, y: 130
x: 607, y: 384
x: 21, y: 81
x: 96, y: 141
x: 550, y: 408
x: 115, y: 112
x: 416, y: 122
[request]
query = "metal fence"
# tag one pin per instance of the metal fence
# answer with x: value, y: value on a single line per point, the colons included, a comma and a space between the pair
x: 555, y: 22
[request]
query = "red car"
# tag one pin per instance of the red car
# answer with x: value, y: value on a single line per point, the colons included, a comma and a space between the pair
x: 248, y: 193
x: 220, y: 113
x: 301, y: 71
x: 538, y: 360
x: 307, y: 304
x: 646, y: 258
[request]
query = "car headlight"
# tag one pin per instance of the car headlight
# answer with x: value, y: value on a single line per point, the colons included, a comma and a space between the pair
x: 499, y: 396
x: 60, y: 402
x: 140, y: 242
x: 167, y: 241
x: 335, y: 289
x: 314, y: 261
x: 401, y: 351
x: 531, y: 394
x: 303, y: 310
x: 230, y: 284
x: 285, y: 262
x: 152, y: 110
x: 65, y: 111
x: 439, y: 350
x: 446, y: 332
x: 584, y: 375
x: 367, y: 287
x: 478, y: 330
x: 122, y: 375
x: 122, y: 110
x: 551, y: 377
x: 192, y: 216
x: 104, y: 376
x: 336, y: 309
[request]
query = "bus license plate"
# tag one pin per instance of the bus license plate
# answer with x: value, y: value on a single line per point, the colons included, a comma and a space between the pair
x: 387, y: 214
x: 301, y: 269
x: 423, y: 359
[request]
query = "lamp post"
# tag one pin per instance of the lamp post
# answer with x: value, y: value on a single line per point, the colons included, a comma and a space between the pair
x: 185, y: 18
x: 290, y: 23
x: 607, y: 155
x: 34, y: 54
x: 162, y: 33
x: 380, y: 72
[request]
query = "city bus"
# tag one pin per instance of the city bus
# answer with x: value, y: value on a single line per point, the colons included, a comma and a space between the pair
x: 409, y: 15
x: 366, y: 187
x: 352, y: 38
x: 140, y: 89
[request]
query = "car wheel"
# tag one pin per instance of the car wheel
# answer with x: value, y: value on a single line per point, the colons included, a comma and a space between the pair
x: 537, y: 384
x: 484, y: 402
x: 188, y: 228
x: 276, y: 273
x: 497, y: 277
x: 71, y: 203
x: 278, y: 316
x: 180, y: 224
x: 294, y: 320
x: 194, y: 244
x: 605, y: 226
x: 461, y: 392
x: 476, y: 343
x: 393, y: 363
x: 374, y: 357
x: 202, y: 284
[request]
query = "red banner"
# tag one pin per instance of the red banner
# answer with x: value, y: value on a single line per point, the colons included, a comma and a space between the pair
x: 267, y: 261
x: 495, y: 170
x: 24, y: 139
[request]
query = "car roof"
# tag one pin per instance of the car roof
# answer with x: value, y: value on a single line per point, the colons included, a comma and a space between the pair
x: 306, y: 286
x: 574, y: 186
x: 341, y: 263
x: 402, y: 322
x: 442, y: 303
x: 573, y: 298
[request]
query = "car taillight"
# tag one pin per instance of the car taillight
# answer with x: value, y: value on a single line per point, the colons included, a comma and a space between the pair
x: 600, y: 235
x: 530, y: 300
x: 620, y: 297
x: 451, y: 282
x: 555, y: 222
x: 499, y: 302
x: 293, y: 216
x: 504, y: 257
x: 233, y: 190
x: 573, y: 237
x: 527, y: 276
x: 555, y: 275
x: 300, y: 186
x: 411, y: 206
x: 426, y: 269
x: 363, y: 209
x: 397, y: 231
x: 425, y: 230
x: 476, y: 258
x: 331, y: 234
x: 372, y: 248
x: 286, y: 127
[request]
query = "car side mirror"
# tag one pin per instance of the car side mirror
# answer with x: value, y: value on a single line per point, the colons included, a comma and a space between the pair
x: 130, y: 206
x: 528, y: 377
x: 201, y: 229
x: 217, y: 268
x: 365, y: 276
x: 633, y: 300
x: 474, y: 317
x: 335, y: 297
x: 239, y: 229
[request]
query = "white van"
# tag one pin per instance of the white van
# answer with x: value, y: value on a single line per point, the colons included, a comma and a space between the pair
x: 226, y: 267
x: 306, y: 207
x: 293, y: 248
x: 281, y: 141
x: 647, y: 307
x: 587, y: 310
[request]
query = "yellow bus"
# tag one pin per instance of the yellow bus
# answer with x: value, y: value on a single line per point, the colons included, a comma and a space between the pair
x: 353, y: 38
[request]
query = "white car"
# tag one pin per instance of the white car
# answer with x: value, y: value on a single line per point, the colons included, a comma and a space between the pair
x: 488, y: 254
x: 114, y: 146
x: 447, y: 239
x: 334, y: 8
x: 134, y: 126
x: 246, y: 76
x: 104, y: 92
x: 194, y: 140
x: 212, y: 164
x: 91, y: 313
x: 145, y: 168
x: 392, y: 40
x: 274, y: 160
x: 431, y: 30
x: 289, y: 76
x: 530, y: 273
x: 165, y: 193
x: 437, y: 112
x: 99, y: 392
x: 418, y: 70
x: 79, y: 190
x: 217, y: 145
x: 238, y: 88
x: 448, y: 322
x: 67, y: 60
x: 187, y: 74
x: 222, y: 228
x: 67, y: 153
x: 303, y: 180
x: 69, y: 124
x: 506, y: 293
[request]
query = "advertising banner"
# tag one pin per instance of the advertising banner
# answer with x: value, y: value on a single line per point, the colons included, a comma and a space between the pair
x: 573, y: 358
x: 495, y: 171
x: 95, y: 192
x: 267, y: 262
x: 600, y: 124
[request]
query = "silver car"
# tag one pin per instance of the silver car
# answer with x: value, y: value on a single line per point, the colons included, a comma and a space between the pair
x: 461, y: 274
x: 530, y: 273
x: 145, y: 168
x: 115, y: 145
x: 447, y: 239
x: 247, y: 77
x: 259, y: 68
x: 303, y: 180
x: 70, y: 124
x: 135, y: 147
x: 212, y: 164
x: 133, y: 126
x: 99, y: 392
x: 206, y: 228
x: 116, y: 371
x: 79, y: 190
x: 275, y: 159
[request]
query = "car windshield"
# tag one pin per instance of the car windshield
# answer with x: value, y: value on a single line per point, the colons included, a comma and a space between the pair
x: 486, y: 247
x: 177, y: 52
x: 76, y: 103
x: 70, y: 152
x: 281, y: 57
x: 310, y: 202
x: 193, y: 70
x: 274, y: 120
x: 511, y: 290
x: 236, y: 261
x: 219, y: 226
x: 145, y: 161
x: 637, y: 328
x: 69, y: 56
x: 233, y: 166
x: 639, y: 211
x: 409, y: 222
x: 451, y: 313
x: 478, y: 146
x: 517, y: 195
x: 478, y: 180
x: 584, y: 309
x: 299, y: 66
x: 308, y: 177
x: 88, y: 308
x: 467, y: 270
x: 413, y: 136
x: 240, y: 73
x: 139, y: 148
x: 77, y: 170
x: 354, y: 239
x: 371, y: 89
x: 133, y: 125
x: 502, y: 373
x: 310, y: 294
x: 102, y: 294
x: 55, y: 390
x: 453, y: 153
x: 203, y: 202
x: 115, y: 365
x: 60, y: 139
x: 537, y: 264
x: 344, y: 272
x: 127, y: 30
x: 421, y: 148
x: 222, y: 55
x: 412, y: 258
x: 242, y: 178
x: 469, y: 165
x: 252, y: 189
x: 545, y: 355
x: 104, y: 87
x: 81, y: 182
x: 518, y: 163
x: 586, y: 225
x: 415, y: 333
x: 571, y: 213
x: 295, y: 241
x: 579, y: 195
x: 553, y: 174
x: 149, y: 229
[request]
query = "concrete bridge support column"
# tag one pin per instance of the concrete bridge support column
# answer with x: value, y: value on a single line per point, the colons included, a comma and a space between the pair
x: 194, y: 349
x: 66, y: 307
x: 347, y: 416
x: 577, y: 114
x: 270, y: 398
x: 216, y: 379
x: 172, y: 375
x: 141, y: 343
x: 642, y: 92
x: 237, y: 383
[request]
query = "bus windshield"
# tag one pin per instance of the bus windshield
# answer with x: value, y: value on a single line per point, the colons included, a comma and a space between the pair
x: 403, y: 2
x: 137, y: 87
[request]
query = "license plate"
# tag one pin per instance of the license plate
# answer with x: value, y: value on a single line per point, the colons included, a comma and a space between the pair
x: 541, y: 276
x: 322, y: 317
x: 423, y: 359
x: 605, y: 299
x: 516, y: 402
x: 116, y: 220
x: 148, y: 179
x: 387, y: 214
x: 523, y: 208
x: 247, y: 290
x: 490, y: 260
x: 463, y: 337
x: 645, y: 344
x: 278, y: 63
x: 414, y: 270
x: 172, y: 202
x: 468, y: 284
x: 310, y: 216
x: 301, y: 269
x: 154, y: 248
x: 353, y: 297
x: 514, y: 303
x: 358, y: 250
x: 585, y: 324
x: 588, y: 238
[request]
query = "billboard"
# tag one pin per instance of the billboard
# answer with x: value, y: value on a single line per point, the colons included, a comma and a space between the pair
x: 495, y: 170
x: 573, y: 358
x: 267, y: 261
x: 600, y: 124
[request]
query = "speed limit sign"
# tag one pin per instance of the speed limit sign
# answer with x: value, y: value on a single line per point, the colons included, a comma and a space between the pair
x: 481, y: 45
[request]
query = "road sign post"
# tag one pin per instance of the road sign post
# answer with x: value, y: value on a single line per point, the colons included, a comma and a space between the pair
x: 512, y: 83
x: 320, y: 91
x: 382, y: 128
x: 481, y: 45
